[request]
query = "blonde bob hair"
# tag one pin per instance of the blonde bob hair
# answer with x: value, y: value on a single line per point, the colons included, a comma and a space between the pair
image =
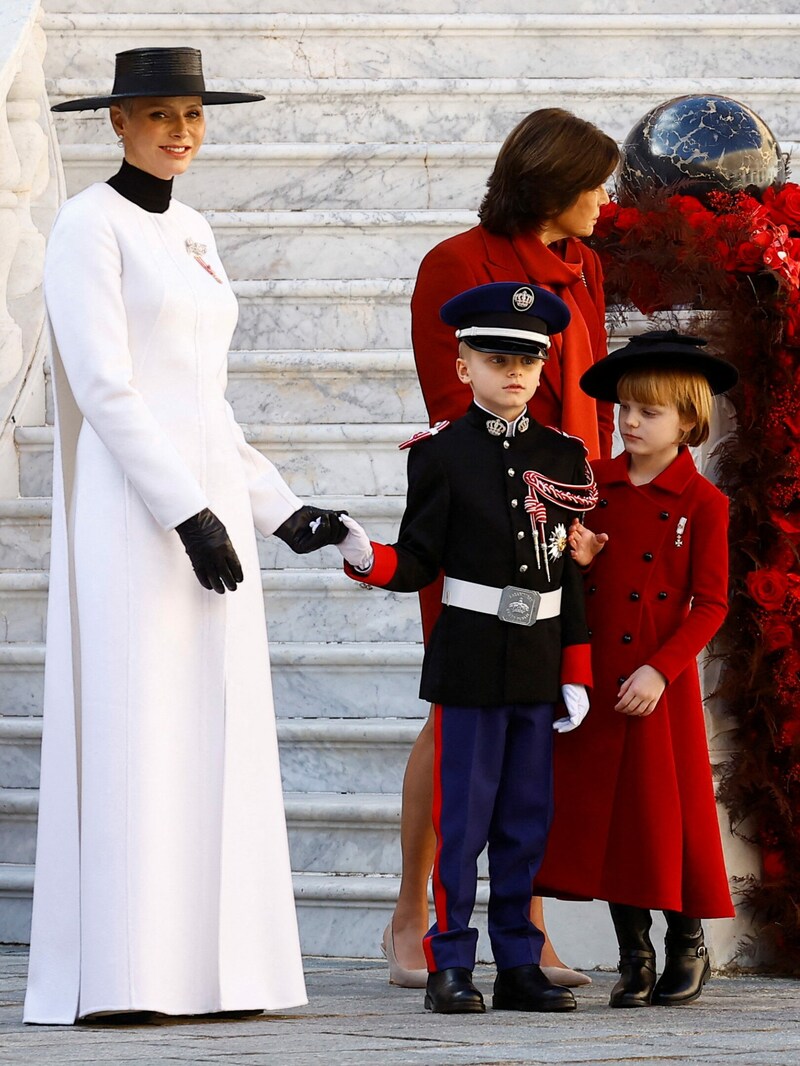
x: 687, y: 390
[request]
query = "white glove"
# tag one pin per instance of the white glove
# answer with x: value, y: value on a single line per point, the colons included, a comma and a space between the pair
x: 576, y: 700
x: 355, y: 547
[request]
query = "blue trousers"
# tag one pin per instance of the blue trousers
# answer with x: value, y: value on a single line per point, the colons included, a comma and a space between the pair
x: 492, y: 784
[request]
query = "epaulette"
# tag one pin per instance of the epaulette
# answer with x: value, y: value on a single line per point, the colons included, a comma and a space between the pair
x: 425, y: 433
x: 569, y: 436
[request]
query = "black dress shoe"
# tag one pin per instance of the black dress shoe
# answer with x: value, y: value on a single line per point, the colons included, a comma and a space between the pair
x: 637, y: 979
x: 686, y: 970
x: 451, y: 991
x: 527, y: 988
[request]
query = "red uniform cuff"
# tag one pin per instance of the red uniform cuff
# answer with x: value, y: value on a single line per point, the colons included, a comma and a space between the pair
x: 576, y: 665
x: 383, y: 568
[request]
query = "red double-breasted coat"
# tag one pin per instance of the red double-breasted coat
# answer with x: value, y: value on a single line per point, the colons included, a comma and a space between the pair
x: 635, y: 816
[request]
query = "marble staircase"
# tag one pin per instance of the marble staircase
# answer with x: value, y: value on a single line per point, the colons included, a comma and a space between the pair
x: 374, y: 143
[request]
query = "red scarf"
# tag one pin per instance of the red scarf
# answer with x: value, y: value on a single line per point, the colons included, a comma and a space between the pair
x: 575, y: 348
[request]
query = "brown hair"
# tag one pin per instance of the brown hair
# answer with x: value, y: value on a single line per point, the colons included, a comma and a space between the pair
x: 545, y: 163
x: 687, y: 390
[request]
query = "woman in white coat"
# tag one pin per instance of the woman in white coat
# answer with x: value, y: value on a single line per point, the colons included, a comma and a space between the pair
x: 162, y: 879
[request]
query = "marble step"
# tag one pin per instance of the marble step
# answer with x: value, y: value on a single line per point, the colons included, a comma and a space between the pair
x: 436, y: 108
x: 25, y: 532
x: 275, y: 177
x: 301, y: 605
x: 328, y: 832
x: 321, y: 312
x: 324, y: 386
x: 407, y: 46
x: 501, y: 7
x: 357, y: 458
x: 310, y: 679
x: 338, y: 915
x: 288, y: 245
x: 345, y: 915
x: 301, y: 387
x: 329, y: 754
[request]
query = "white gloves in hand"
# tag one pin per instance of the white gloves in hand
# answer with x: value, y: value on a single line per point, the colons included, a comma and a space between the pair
x: 576, y: 700
x: 355, y: 547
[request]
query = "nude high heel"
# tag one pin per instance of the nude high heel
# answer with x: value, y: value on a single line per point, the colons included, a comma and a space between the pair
x: 399, y: 975
x: 562, y: 975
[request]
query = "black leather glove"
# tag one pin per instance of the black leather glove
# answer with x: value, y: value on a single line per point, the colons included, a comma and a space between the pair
x: 311, y: 528
x: 211, y: 553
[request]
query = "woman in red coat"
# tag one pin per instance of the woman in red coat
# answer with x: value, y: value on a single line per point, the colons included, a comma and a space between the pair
x: 544, y: 195
x: 635, y: 818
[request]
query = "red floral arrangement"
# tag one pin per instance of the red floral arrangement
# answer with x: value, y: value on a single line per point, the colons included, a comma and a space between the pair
x: 738, y: 256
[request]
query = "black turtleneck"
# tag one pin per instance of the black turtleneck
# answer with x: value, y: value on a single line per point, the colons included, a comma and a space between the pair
x: 143, y: 189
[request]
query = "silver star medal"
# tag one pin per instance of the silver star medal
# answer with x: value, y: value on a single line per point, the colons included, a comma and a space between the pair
x: 197, y: 251
x: 557, y: 542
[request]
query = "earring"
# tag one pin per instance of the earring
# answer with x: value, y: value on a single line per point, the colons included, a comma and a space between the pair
x: 120, y: 142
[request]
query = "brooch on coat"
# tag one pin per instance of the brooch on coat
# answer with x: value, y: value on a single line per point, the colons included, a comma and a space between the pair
x: 679, y: 531
x: 197, y: 251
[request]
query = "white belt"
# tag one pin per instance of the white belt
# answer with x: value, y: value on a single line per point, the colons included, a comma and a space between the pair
x: 511, y: 604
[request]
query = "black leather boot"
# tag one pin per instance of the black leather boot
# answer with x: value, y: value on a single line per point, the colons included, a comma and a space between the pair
x: 687, y: 967
x: 527, y: 988
x: 637, y: 957
x: 451, y: 991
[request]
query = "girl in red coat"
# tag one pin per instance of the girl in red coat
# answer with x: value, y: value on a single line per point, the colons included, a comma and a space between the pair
x: 635, y: 817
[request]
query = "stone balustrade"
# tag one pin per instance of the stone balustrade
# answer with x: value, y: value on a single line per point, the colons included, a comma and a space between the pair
x: 31, y: 189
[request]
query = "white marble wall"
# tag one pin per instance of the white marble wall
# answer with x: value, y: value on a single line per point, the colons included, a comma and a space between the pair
x: 453, y: 110
x: 28, y: 197
x: 347, y: 45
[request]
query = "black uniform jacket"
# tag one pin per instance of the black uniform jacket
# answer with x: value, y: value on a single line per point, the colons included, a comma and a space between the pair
x: 465, y: 514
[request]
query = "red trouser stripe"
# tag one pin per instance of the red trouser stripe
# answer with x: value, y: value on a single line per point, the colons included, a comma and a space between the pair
x: 439, y: 898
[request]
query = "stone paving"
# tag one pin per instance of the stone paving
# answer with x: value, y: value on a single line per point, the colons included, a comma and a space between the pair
x: 355, y: 1018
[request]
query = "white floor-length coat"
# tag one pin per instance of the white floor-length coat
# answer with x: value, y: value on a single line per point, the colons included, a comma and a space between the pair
x: 162, y: 877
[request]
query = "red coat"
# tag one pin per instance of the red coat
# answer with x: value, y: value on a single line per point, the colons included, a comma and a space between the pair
x: 635, y: 816
x: 573, y: 273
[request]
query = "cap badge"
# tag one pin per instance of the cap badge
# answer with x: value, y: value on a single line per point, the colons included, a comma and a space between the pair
x: 523, y: 298
x: 496, y: 427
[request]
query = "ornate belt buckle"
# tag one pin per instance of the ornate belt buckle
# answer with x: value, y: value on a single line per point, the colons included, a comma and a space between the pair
x: 518, y: 606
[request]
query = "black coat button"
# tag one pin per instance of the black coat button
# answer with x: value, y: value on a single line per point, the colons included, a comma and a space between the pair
x: 621, y: 680
x: 664, y: 516
x: 662, y: 595
x: 626, y: 638
x: 603, y: 503
x: 592, y: 589
x: 648, y: 557
x: 589, y: 632
x: 634, y: 596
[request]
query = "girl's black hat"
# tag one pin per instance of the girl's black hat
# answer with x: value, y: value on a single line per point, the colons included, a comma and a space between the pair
x: 157, y: 72
x: 659, y: 349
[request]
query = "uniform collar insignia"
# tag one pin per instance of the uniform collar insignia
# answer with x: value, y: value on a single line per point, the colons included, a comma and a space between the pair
x: 499, y: 427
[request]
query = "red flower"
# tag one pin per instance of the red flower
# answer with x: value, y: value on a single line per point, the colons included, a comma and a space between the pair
x: 778, y: 634
x: 605, y: 220
x: 773, y: 864
x: 768, y: 588
x: 784, y: 205
x: 626, y: 218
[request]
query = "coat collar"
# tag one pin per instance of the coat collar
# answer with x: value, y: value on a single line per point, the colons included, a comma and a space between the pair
x: 673, y: 480
x: 525, y: 256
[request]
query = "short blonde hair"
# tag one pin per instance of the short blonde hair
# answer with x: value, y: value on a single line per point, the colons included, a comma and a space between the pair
x: 687, y: 390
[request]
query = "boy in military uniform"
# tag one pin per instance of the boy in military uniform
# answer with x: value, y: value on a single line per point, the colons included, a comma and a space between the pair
x: 490, y: 500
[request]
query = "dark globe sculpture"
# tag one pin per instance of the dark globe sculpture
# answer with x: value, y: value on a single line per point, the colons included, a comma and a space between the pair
x: 696, y: 144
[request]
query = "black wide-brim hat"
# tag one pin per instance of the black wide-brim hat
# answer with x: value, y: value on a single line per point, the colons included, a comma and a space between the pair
x: 157, y: 72
x: 658, y: 350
